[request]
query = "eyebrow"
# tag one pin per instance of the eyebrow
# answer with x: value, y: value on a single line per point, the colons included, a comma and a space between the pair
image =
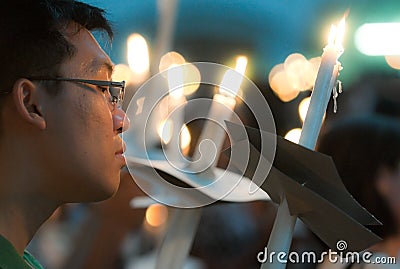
x: 95, y: 66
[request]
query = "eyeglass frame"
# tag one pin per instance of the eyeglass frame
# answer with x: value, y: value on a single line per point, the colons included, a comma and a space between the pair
x: 116, y: 101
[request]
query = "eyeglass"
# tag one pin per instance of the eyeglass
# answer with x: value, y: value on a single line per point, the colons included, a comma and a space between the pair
x: 115, y: 90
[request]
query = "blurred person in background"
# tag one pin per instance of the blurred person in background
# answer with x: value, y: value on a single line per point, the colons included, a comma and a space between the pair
x: 366, y: 152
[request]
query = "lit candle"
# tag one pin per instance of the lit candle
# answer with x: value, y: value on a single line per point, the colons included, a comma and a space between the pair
x: 139, y: 64
x: 282, y: 231
x: 185, y: 139
x: 212, y: 136
x: 324, y: 84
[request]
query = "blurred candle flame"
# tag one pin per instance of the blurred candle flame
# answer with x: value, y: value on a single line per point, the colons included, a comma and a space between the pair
x: 241, y: 64
x: 138, y: 56
x: 232, y: 80
x: 185, y: 139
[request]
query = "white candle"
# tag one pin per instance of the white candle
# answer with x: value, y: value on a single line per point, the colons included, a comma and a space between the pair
x: 183, y: 223
x: 324, y: 84
x: 213, y: 134
x: 167, y: 10
x: 164, y: 39
x: 138, y: 61
x: 282, y: 231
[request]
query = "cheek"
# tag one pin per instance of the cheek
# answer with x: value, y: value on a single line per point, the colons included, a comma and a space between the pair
x: 97, y: 122
x: 84, y: 126
x: 79, y: 147
x: 81, y: 124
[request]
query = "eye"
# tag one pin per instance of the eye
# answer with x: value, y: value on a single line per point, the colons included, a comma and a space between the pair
x: 103, y: 89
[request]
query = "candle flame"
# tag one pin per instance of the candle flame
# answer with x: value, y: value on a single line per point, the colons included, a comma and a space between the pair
x: 340, y: 32
x: 185, y: 139
x: 138, y: 54
x: 241, y: 64
x: 332, y: 34
x: 232, y: 80
x: 336, y: 34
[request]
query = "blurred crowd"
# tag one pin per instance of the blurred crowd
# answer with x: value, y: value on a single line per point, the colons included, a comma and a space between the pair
x: 363, y: 138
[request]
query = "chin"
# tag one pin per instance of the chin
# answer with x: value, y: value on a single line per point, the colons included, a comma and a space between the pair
x: 102, y: 188
x: 108, y: 190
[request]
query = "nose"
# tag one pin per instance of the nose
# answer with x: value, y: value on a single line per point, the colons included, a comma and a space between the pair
x: 120, y: 120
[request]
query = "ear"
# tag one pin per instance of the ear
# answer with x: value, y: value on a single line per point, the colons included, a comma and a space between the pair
x: 26, y: 100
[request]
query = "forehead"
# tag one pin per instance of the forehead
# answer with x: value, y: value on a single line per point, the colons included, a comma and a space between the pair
x: 89, y: 58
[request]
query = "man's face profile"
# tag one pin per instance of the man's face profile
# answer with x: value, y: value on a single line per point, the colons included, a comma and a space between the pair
x: 85, y: 150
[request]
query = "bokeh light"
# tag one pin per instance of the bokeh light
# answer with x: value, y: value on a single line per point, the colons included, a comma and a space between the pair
x: 393, y: 61
x: 156, y: 215
x: 293, y: 135
x: 303, y: 108
x: 189, y: 74
x: 282, y: 87
x: 122, y: 72
x: 296, y: 67
x: 192, y: 79
x: 170, y: 59
x: 296, y: 74
x: 378, y: 39
x: 138, y: 57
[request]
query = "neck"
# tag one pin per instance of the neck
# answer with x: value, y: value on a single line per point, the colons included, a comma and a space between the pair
x: 26, y: 199
x: 24, y: 203
x: 21, y: 218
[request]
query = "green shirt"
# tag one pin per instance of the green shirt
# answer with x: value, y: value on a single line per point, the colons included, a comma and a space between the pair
x: 10, y: 259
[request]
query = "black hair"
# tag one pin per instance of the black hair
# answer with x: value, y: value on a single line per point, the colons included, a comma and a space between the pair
x: 360, y: 147
x: 32, y: 42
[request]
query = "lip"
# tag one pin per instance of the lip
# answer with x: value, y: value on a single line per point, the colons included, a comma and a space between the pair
x: 121, y: 150
x: 120, y: 157
x: 120, y: 154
